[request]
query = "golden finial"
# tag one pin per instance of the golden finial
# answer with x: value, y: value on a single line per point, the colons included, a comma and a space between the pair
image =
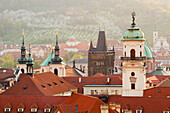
x: 22, y: 32
x: 56, y: 32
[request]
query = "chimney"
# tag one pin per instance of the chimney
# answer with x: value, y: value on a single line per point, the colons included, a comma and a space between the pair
x: 104, y: 108
x: 112, y: 105
x: 118, y: 107
x: 79, y: 79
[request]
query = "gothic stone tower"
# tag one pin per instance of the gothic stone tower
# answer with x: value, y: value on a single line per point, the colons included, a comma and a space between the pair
x: 100, y: 60
x: 133, y: 61
x: 57, y: 66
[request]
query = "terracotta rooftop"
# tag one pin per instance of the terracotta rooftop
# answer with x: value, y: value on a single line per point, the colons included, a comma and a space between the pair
x: 164, y: 83
x: 92, y: 81
x: 6, y: 73
x: 27, y: 102
x: 47, y: 84
x: 149, y: 105
x: 85, y: 103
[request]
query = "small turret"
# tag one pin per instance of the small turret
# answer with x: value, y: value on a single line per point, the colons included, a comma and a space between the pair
x: 56, y: 59
x: 22, y: 59
x: 30, y: 63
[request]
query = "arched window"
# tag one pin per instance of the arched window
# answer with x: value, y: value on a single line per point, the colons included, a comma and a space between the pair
x: 132, y: 53
x: 22, y: 70
x: 140, y: 53
x: 125, y: 54
x: 56, y: 72
x: 42, y: 70
x: 132, y: 74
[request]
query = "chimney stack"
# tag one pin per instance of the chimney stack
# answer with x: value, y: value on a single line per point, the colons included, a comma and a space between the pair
x: 104, y: 108
x: 113, y: 105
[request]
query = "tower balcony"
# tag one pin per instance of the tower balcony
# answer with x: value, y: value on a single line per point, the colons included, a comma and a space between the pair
x: 133, y: 58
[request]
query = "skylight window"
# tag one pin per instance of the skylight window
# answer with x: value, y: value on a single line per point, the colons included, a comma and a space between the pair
x: 55, y: 83
x: 43, y: 86
x: 62, y: 82
x: 74, y: 81
x: 49, y: 84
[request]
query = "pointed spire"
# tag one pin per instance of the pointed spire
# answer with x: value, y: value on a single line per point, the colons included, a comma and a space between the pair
x: 56, y: 59
x: 56, y: 36
x: 29, y: 50
x: 23, y: 36
x: 91, y: 46
x: 99, y: 27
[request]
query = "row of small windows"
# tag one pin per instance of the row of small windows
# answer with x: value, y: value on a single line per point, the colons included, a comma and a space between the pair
x: 114, y: 81
x: 140, y: 46
x: 96, y: 92
x: 133, y: 54
x: 33, y: 110
x: 53, y: 83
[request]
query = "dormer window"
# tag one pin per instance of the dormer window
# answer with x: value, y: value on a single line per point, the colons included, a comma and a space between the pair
x: 138, y: 111
x: 33, y: 110
x: 47, y: 110
x: 7, y: 110
x: 20, y: 110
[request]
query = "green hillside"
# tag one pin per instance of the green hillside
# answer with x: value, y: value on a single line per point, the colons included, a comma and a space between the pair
x: 79, y: 18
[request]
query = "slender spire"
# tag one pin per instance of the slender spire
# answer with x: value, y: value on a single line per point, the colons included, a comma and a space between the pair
x: 23, y: 36
x: 133, y: 18
x: 104, y: 26
x: 99, y: 27
x: 56, y: 59
x: 29, y: 50
x: 56, y: 36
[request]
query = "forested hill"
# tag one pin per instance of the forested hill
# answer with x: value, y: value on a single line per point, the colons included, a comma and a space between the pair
x: 79, y: 18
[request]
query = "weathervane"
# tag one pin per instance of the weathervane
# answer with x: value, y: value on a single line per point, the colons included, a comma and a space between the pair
x: 133, y: 17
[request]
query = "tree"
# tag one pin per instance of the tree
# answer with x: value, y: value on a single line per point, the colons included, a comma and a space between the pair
x: 77, y: 56
x: 7, y: 61
x: 37, y: 64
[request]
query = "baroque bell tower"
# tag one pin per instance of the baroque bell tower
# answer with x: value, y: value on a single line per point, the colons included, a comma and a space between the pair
x: 133, y: 61
x: 57, y: 66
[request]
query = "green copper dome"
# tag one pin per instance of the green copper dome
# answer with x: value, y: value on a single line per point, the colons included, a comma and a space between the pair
x: 148, y: 52
x: 158, y: 71
x: 133, y: 33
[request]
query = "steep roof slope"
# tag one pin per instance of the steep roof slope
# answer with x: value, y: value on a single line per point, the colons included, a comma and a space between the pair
x: 41, y: 84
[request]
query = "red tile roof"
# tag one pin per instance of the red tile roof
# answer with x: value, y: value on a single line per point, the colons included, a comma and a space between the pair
x: 85, y: 103
x: 21, y: 105
x: 6, y: 73
x: 28, y: 101
x: 90, y: 81
x: 150, y: 105
x: 157, y: 92
x: 41, y: 84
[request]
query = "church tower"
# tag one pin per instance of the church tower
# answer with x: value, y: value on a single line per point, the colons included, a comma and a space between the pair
x: 155, y: 36
x: 100, y: 60
x: 30, y: 63
x: 21, y: 65
x: 133, y: 61
x: 57, y: 66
